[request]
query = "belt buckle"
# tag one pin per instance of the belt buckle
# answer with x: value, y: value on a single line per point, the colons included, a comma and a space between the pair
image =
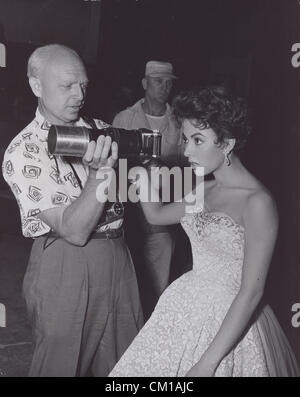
x: 107, y: 233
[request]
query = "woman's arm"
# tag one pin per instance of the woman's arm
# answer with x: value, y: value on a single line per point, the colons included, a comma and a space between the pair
x: 261, y: 225
x: 155, y: 211
x: 163, y: 214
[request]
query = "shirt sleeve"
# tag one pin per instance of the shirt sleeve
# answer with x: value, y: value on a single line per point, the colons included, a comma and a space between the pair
x: 119, y: 120
x: 36, y: 184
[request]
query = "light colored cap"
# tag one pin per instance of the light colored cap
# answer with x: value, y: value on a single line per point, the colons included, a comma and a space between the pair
x: 159, y: 69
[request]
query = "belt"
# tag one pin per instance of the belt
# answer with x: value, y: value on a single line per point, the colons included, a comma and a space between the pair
x: 107, y: 235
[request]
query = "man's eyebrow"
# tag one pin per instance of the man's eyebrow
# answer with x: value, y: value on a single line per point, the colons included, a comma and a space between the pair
x: 71, y: 81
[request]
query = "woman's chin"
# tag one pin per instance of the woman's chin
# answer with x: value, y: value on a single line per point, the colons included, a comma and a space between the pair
x: 198, y: 170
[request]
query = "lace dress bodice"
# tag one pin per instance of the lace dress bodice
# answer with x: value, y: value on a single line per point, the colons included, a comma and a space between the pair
x: 218, y: 250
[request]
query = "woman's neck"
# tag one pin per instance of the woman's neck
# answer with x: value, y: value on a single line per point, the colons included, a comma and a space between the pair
x: 232, y: 175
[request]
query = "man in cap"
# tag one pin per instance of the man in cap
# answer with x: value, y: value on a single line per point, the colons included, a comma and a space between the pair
x: 154, y: 112
x: 152, y: 246
x: 80, y: 285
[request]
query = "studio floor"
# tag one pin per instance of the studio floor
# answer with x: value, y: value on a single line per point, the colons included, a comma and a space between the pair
x: 15, y: 339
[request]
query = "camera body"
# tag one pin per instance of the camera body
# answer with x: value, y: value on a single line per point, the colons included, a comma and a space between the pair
x: 73, y: 141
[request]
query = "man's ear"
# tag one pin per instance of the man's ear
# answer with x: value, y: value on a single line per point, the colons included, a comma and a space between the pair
x: 144, y: 83
x: 36, y: 87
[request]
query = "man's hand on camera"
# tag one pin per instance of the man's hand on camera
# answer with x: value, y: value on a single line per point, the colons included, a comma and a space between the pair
x: 104, y: 153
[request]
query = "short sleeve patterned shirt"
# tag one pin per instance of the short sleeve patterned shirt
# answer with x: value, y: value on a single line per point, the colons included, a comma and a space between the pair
x: 38, y: 180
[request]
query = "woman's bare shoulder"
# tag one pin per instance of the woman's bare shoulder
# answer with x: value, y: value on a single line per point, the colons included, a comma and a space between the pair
x: 260, y: 205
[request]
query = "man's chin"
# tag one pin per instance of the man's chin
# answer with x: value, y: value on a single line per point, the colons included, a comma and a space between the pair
x: 68, y: 121
x: 71, y: 117
x: 163, y: 99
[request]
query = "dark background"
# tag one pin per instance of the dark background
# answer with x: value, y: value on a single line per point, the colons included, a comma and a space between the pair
x: 243, y: 44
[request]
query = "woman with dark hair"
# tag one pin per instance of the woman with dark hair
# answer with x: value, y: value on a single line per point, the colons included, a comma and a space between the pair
x: 211, y: 321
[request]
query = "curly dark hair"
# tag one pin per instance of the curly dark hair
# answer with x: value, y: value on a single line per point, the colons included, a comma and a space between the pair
x: 214, y: 107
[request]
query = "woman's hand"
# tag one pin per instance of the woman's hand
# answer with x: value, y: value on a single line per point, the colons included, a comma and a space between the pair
x: 97, y: 154
x: 201, y: 370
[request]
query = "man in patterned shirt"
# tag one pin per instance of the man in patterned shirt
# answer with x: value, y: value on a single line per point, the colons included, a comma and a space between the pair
x: 80, y: 285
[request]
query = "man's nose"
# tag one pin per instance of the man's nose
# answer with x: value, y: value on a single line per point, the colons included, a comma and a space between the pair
x: 167, y: 86
x: 79, y: 92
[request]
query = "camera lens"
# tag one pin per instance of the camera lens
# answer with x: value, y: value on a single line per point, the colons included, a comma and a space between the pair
x: 73, y: 141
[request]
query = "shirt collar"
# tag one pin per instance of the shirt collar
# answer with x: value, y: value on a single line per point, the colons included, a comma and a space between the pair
x: 44, y: 125
x: 168, y: 107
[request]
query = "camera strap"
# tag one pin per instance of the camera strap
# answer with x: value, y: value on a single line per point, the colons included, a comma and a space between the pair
x: 90, y: 121
x: 75, y: 173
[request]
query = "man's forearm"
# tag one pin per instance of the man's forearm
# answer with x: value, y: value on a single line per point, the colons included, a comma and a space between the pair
x: 76, y: 222
x: 81, y: 217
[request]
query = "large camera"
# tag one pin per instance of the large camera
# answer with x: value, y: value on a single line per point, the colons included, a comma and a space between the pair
x: 73, y: 141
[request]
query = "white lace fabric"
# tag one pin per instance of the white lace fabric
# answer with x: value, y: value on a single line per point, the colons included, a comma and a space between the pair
x: 191, y: 310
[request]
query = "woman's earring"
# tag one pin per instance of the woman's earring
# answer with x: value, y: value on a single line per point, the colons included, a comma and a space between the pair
x: 227, y: 160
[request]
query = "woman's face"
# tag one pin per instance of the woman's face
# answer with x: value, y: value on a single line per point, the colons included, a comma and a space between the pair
x: 201, y: 148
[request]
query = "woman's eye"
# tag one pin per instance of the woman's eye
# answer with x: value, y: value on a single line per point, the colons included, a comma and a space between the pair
x: 197, y: 141
x: 184, y: 140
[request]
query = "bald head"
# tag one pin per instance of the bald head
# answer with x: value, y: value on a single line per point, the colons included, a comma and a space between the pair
x: 51, y: 54
x: 58, y: 79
